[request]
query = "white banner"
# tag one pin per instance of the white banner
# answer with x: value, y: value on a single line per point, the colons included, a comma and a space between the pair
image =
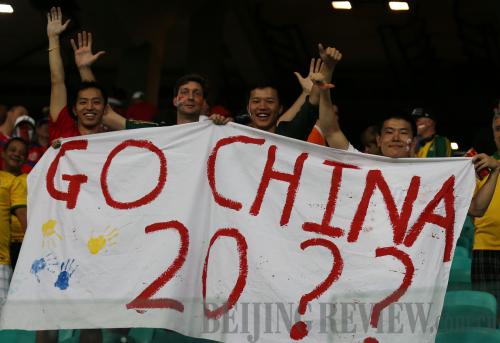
x: 234, y: 234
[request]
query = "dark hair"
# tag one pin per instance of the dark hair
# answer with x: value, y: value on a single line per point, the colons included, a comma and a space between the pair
x: 262, y: 86
x: 16, y: 139
x: 399, y: 116
x: 86, y: 85
x: 191, y: 78
x: 365, y: 135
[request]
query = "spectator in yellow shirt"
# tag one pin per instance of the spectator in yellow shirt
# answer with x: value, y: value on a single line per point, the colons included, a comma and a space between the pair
x: 12, y: 201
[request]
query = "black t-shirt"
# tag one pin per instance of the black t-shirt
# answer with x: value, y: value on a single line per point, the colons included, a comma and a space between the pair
x: 300, y: 126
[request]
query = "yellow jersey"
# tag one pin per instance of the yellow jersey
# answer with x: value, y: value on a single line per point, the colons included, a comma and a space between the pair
x: 487, y: 227
x: 12, y: 196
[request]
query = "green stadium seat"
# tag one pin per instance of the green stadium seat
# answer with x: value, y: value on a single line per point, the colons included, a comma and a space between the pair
x: 461, y: 252
x: 466, y: 309
x: 460, y: 273
x: 466, y: 238
x: 68, y: 336
x: 461, y: 263
x: 468, y: 228
x: 145, y: 335
x: 17, y: 336
x: 465, y: 242
x: 470, y: 335
x: 459, y: 280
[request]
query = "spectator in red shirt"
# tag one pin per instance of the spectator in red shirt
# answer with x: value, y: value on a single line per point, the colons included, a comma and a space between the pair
x: 140, y: 109
x: 91, y: 99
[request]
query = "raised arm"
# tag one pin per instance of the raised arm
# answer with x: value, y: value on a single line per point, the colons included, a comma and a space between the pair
x: 482, y: 198
x: 58, y: 93
x: 114, y: 120
x: 306, y: 84
x: 328, y: 119
x: 84, y: 58
x: 330, y: 57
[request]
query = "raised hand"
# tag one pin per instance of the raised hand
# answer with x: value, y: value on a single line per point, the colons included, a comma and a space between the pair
x: 218, y: 119
x: 306, y: 82
x: 482, y: 161
x: 83, y: 50
x: 55, y: 25
x: 330, y: 56
x: 318, y: 76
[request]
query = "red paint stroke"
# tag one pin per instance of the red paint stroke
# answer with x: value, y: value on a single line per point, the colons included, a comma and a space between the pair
x: 299, y: 330
x: 293, y: 180
x: 74, y: 181
x: 242, y: 275
x: 219, y: 199
x: 143, y: 300
x: 446, y: 193
x: 399, y: 222
x: 398, y: 293
x: 325, y: 228
x: 146, y: 199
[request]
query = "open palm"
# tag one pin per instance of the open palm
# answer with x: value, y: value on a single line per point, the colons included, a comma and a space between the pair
x: 83, y: 50
x: 54, y: 22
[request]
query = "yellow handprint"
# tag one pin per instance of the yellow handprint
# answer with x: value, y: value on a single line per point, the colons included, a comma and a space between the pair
x: 96, y: 244
x: 49, y: 234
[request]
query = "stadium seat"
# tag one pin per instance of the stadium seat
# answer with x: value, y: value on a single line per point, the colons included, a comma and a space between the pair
x: 470, y: 335
x: 465, y: 242
x: 466, y: 309
x: 17, y: 336
x: 460, y: 273
x: 68, y: 336
x: 145, y: 335
x: 461, y: 252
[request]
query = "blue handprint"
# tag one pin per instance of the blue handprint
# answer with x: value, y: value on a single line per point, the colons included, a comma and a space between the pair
x: 67, y: 271
x: 43, y: 263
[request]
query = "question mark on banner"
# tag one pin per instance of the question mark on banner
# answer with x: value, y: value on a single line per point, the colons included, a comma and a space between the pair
x: 398, y: 293
x: 299, y: 330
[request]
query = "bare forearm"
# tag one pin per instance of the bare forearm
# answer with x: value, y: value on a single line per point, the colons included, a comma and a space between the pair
x: 328, y: 72
x: 114, y: 120
x: 329, y: 123
x: 55, y: 60
x: 58, y: 89
x: 482, y: 199
x: 86, y: 74
x: 327, y: 117
x: 314, y: 96
x: 294, y: 109
x: 21, y: 214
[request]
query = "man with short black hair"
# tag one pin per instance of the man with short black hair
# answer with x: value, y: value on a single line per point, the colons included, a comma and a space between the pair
x: 396, y: 137
x: 369, y: 140
x: 396, y: 140
x: 90, y: 100
x: 265, y: 108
